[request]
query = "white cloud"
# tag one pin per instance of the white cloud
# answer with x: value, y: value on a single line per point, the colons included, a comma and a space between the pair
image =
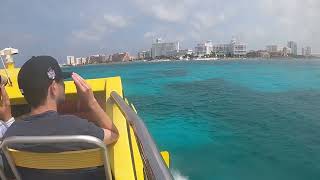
x: 204, y: 20
x: 115, y: 21
x: 149, y: 34
x: 167, y: 10
x: 166, y: 33
x: 258, y: 22
x: 100, y: 27
x: 92, y: 33
x: 86, y: 35
x: 293, y: 19
x: 186, y: 19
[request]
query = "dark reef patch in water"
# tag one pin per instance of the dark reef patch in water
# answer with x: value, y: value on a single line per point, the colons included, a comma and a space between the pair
x: 278, y: 131
x: 171, y: 73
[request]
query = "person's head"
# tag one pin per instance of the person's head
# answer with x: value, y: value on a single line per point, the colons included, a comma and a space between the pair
x: 40, y: 80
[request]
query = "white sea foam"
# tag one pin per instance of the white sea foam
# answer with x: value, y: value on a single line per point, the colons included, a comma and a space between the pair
x: 178, y: 176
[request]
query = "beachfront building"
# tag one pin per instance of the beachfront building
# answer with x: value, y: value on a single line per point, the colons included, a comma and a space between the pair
x: 306, y: 51
x: 184, y: 52
x: 180, y: 53
x: 97, y: 59
x: 204, y: 48
x: 121, y: 57
x: 221, y: 49
x: 78, y: 61
x: 71, y: 61
x: 272, y: 48
x: 293, y: 46
x: 258, y: 54
x: 237, y: 49
x: 144, y: 55
x: 163, y: 48
x: 286, y: 51
x: 84, y: 60
x: 234, y: 48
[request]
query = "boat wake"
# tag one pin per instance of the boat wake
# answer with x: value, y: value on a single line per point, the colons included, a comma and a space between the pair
x: 178, y: 176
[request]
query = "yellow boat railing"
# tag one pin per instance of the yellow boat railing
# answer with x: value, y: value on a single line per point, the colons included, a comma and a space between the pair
x: 154, y: 165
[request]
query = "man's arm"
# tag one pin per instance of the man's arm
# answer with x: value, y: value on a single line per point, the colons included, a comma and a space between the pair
x: 99, y: 117
x: 6, y: 118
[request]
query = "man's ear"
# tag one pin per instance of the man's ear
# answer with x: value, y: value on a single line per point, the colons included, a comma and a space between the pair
x: 53, y: 89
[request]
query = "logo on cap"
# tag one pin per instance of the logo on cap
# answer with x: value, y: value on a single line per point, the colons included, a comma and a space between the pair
x: 51, y: 74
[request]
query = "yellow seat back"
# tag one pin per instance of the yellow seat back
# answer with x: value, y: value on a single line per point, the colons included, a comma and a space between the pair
x: 62, y: 160
x: 56, y: 161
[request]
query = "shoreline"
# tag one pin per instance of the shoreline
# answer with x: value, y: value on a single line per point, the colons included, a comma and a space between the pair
x: 194, y: 60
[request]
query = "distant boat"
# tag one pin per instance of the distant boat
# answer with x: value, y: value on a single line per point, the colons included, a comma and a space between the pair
x: 184, y: 59
x: 206, y: 59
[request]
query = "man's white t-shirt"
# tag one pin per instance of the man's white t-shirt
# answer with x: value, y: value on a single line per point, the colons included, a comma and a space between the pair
x: 4, y: 126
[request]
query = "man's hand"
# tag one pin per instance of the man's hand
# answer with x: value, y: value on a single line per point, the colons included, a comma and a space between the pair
x: 99, y: 117
x: 5, y: 108
x: 84, y: 91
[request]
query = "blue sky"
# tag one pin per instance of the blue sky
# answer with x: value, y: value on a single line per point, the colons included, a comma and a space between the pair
x: 81, y: 27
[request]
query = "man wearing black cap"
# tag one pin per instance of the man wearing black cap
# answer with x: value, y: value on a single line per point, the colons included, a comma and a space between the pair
x: 41, y: 82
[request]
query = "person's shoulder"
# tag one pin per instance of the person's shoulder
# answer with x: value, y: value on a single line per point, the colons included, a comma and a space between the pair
x: 82, y: 126
x: 72, y: 119
x: 17, y: 124
x: 68, y: 116
x: 15, y: 127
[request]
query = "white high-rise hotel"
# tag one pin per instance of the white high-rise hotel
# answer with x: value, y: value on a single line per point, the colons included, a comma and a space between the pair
x: 306, y: 51
x: 163, y: 49
x: 294, y: 47
x: 71, y: 60
x: 237, y: 48
x: 234, y: 48
x: 272, y: 48
x: 204, y: 48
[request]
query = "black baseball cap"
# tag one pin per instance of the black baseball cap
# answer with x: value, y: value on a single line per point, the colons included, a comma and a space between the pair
x: 39, y: 72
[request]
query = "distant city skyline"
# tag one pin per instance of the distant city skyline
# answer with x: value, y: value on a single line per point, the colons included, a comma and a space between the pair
x: 80, y: 28
x: 163, y: 50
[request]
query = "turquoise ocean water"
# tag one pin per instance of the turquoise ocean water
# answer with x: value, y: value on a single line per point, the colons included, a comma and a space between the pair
x: 226, y: 120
